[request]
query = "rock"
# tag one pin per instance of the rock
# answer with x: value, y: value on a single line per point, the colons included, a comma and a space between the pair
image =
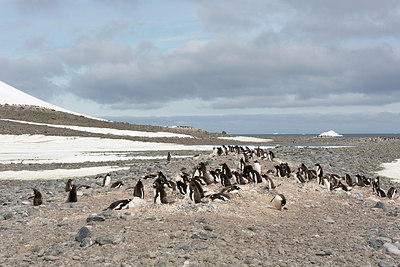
x: 86, y: 242
x: 200, y: 236
x: 391, y: 248
x: 385, y: 264
x: 118, y: 239
x: 320, y: 253
x: 208, y: 228
x: 8, y: 215
x: 376, y: 244
x: 380, y: 205
x: 110, y: 214
x: 95, y: 218
x: 50, y: 258
x: 127, y: 216
x: 252, y: 228
x: 103, y: 240
x: 201, y: 219
x: 54, y: 250
x: 84, y: 232
x: 359, y: 196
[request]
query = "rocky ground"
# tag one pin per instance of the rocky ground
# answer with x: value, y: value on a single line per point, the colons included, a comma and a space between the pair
x: 318, y: 228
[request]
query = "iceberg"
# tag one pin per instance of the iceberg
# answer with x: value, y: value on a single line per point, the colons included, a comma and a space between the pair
x: 330, y: 134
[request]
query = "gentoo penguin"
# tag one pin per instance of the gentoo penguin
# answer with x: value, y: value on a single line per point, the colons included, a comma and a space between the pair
x: 279, y: 171
x: 225, y: 180
x: 231, y: 189
x: 268, y: 181
x: 160, y: 196
x: 271, y: 156
x: 119, y: 205
x: 392, y: 192
x: 319, y: 171
x: 380, y: 192
x: 68, y: 186
x: 37, y: 197
x: 73, y: 196
x: 298, y: 177
x: 169, y: 157
x: 107, y: 179
x: 257, y: 166
x: 375, y: 184
x: 194, y: 193
x: 327, y: 183
x: 138, y: 190
x: 239, y: 178
x: 117, y: 184
x: 182, y: 187
x: 348, y: 180
x: 279, y: 201
x: 219, y: 197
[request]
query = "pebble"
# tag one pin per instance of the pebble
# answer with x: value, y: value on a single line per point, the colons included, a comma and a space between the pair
x: 208, y: 228
x: 84, y: 232
x: 391, y: 248
x: 200, y: 236
x: 8, y: 215
x: 103, y: 240
x: 50, y: 258
x: 110, y: 214
x: 380, y: 205
x: 86, y: 242
x: 385, y: 264
x: 201, y: 219
x: 95, y: 218
x: 118, y: 239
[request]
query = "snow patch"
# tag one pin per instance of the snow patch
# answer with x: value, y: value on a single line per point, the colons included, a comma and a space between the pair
x: 246, y: 139
x: 108, y: 130
x: 391, y: 170
x: 330, y: 134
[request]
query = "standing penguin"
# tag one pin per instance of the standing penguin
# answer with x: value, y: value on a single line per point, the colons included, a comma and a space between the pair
x: 169, y: 157
x: 160, y: 196
x: 138, y: 191
x: 279, y: 201
x: 68, y: 186
x: 73, y: 196
x: 107, y: 179
x: 392, y: 192
x: 257, y: 166
x: 194, y: 193
x: 37, y: 197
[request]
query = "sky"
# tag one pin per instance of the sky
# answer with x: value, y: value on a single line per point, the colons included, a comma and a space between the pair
x: 244, y: 67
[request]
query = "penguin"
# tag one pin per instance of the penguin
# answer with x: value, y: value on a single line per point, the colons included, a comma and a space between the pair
x: 279, y: 171
x: 271, y: 156
x: 375, y: 184
x: 268, y: 181
x: 219, y: 197
x: 319, y: 171
x: 160, y: 196
x: 392, y: 192
x: 73, y: 196
x: 182, y: 187
x: 194, y: 193
x: 37, y: 197
x: 239, y: 178
x: 255, y: 176
x: 279, y: 201
x: 138, y: 190
x: 225, y: 181
x: 107, y: 179
x: 348, y: 180
x: 216, y: 176
x: 120, y: 204
x: 380, y: 192
x: 327, y: 183
x: 203, y: 173
x: 342, y: 186
x: 231, y: 189
x: 169, y: 157
x: 117, y: 184
x: 299, y: 178
x: 257, y: 166
x: 68, y: 186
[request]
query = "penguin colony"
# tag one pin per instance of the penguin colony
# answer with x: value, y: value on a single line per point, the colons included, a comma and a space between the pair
x: 200, y: 184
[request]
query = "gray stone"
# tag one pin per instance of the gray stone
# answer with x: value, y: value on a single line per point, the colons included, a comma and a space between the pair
x: 208, y: 228
x: 50, y: 258
x: 212, y: 235
x: 54, y: 250
x: 86, y: 242
x: 385, y: 264
x: 118, y: 239
x: 201, y: 219
x: 110, y: 214
x: 252, y: 228
x: 83, y: 233
x: 328, y: 251
x: 376, y: 244
x: 95, y: 218
x: 8, y: 215
x: 380, y: 205
x: 320, y: 253
x: 103, y: 240
x: 359, y: 196
x: 391, y: 248
x: 200, y: 236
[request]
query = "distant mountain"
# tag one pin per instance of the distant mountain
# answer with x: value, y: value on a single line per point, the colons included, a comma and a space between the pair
x: 12, y: 96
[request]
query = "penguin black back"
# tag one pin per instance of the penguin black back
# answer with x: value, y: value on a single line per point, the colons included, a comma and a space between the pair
x: 68, y: 186
x: 73, y: 196
x: 138, y: 191
x: 37, y: 198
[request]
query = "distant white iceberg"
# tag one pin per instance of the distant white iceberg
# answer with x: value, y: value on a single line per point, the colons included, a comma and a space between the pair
x: 330, y: 134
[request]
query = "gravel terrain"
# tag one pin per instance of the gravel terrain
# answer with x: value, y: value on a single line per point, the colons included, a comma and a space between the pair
x: 318, y: 228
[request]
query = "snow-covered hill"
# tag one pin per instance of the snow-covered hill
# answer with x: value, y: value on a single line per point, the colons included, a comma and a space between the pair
x: 12, y: 96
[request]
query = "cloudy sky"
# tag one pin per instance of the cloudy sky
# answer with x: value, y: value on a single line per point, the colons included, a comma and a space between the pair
x: 256, y: 66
